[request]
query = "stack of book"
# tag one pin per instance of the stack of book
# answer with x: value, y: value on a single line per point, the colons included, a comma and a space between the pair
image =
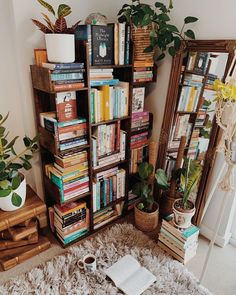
x: 201, y: 117
x: 66, y: 76
x: 71, y: 180
x: 210, y: 81
x: 108, y: 186
x: 139, y: 140
x: 108, y: 144
x: 138, y: 155
x: 189, y: 97
x: 109, y: 102
x: 179, y: 243
x: 100, y: 77
x: 140, y: 121
x: 106, y: 215
x: 68, y: 134
x: 182, y: 127
x: 143, y: 74
x: 108, y: 44
x: 70, y: 221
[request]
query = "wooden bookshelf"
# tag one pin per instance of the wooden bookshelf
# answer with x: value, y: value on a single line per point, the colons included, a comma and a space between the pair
x: 44, y: 98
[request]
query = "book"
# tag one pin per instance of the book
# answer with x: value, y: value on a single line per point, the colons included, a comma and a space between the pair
x: 63, y: 66
x: 66, y: 106
x: 11, y: 257
x: 18, y: 233
x: 121, y: 43
x: 40, y: 56
x: 66, y: 76
x: 65, y: 87
x: 134, y: 280
x: 9, y: 244
x: 102, y: 45
x: 138, y: 99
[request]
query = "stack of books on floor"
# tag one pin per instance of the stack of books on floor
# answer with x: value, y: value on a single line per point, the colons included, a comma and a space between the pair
x: 108, y: 144
x: 111, y: 39
x: 21, y: 242
x: 100, y: 77
x: 106, y: 215
x: 70, y: 221
x: 108, y: 102
x: 108, y: 186
x: 180, y: 243
x: 140, y: 121
x: 70, y: 174
x: 68, y: 134
x: 143, y: 72
x: 66, y: 76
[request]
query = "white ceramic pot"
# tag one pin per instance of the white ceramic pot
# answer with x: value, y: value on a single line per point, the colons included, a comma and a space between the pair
x: 6, y: 203
x: 182, y: 218
x: 60, y: 47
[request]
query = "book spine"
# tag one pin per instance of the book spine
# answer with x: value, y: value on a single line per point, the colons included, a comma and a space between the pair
x: 121, y: 43
x: 66, y: 76
x: 127, y: 45
x: 64, y: 87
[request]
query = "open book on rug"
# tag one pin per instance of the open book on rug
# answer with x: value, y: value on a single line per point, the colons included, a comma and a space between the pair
x: 129, y: 276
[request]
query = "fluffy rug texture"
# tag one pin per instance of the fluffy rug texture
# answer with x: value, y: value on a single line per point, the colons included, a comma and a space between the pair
x: 62, y: 275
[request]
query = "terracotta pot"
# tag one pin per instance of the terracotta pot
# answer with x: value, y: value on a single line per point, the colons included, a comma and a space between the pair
x: 6, y: 202
x: 183, y: 217
x: 60, y: 47
x: 146, y: 221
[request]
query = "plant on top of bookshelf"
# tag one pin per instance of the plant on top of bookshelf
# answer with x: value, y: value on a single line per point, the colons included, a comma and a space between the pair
x: 12, y: 182
x: 163, y: 35
x: 146, y: 210
x: 59, y: 38
x: 189, y: 174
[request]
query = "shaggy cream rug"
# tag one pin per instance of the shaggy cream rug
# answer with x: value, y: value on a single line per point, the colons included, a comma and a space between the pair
x: 62, y: 275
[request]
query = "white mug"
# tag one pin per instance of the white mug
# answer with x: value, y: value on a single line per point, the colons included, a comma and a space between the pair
x: 88, y: 263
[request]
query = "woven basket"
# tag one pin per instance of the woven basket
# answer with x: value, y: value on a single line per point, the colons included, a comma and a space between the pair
x: 146, y: 221
x: 141, y: 40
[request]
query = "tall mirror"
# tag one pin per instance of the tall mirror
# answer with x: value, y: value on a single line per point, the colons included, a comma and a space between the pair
x: 189, y: 128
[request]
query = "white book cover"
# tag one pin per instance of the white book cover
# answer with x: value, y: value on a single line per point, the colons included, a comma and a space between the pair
x: 121, y: 43
x: 134, y: 280
x: 138, y: 99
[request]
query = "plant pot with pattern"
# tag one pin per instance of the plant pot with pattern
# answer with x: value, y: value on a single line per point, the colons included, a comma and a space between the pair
x: 146, y: 211
x: 12, y: 182
x: 60, y: 40
x: 152, y: 30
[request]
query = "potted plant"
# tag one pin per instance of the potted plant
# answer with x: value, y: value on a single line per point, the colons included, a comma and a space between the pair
x: 183, y: 208
x: 12, y: 182
x: 60, y: 40
x: 146, y: 211
x: 162, y: 34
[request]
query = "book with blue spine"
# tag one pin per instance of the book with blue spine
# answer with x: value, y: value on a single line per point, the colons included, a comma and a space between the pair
x: 62, y: 66
x: 66, y: 76
x: 110, y: 82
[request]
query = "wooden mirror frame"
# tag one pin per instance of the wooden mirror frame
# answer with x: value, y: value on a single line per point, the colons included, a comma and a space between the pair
x: 223, y: 46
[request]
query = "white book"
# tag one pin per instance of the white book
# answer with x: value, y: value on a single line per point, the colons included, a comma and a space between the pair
x: 138, y: 99
x: 121, y: 43
x: 134, y: 280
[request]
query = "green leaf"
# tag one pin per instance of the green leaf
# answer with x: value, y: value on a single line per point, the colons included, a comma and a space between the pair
x: 190, y: 34
x: 190, y: 19
x: 161, y: 56
x: 145, y: 170
x: 161, y: 178
x: 10, y: 145
x: 16, y: 181
x: 4, y: 192
x: 137, y: 188
x: 27, y: 141
x: 4, y: 184
x: 140, y: 206
x: 16, y: 200
x: 3, y: 120
x: 13, y: 151
x: 3, y: 175
x: 4, y: 142
x: 148, y: 49
x: 63, y: 10
x: 146, y: 20
x: 47, y: 6
x: 2, y: 130
x: 28, y: 157
x: 177, y: 43
x: 27, y: 165
x: 164, y: 17
x: 172, y: 28
x: 172, y: 51
x: 2, y: 166
x: 15, y: 166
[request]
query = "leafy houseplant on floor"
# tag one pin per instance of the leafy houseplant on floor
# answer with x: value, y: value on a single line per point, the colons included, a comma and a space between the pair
x: 60, y: 40
x: 183, y: 208
x: 146, y: 211
x: 13, y: 183
x: 162, y: 35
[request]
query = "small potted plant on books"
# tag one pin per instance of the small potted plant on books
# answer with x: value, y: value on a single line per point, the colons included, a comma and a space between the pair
x: 12, y: 182
x: 60, y: 40
x: 146, y: 211
x: 183, y: 208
